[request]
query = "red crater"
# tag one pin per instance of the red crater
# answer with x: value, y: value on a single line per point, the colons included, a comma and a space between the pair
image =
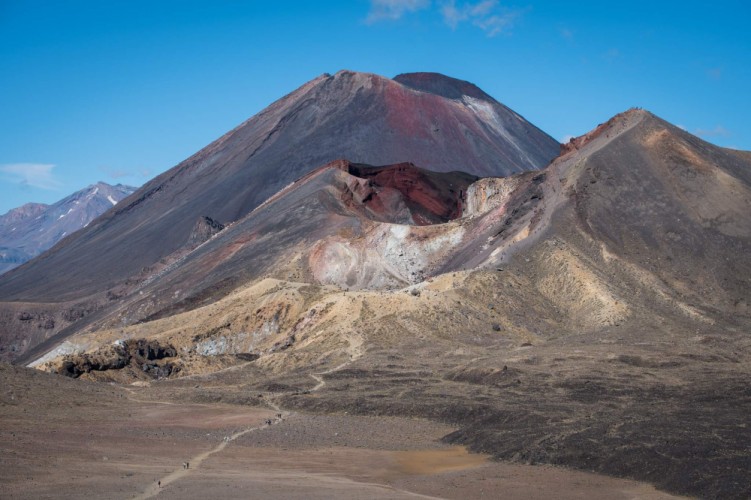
x: 431, y: 197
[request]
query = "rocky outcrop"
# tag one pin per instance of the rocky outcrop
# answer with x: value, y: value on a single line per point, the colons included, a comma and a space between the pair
x: 204, y: 229
x: 283, y: 345
x: 487, y: 194
x: 610, y: 128
x: 142, y: 355
x: 43, y: 320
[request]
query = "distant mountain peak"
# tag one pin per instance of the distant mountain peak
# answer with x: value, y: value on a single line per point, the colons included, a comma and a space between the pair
x: 32, y: 228
x: 431, y: 83
x: 102, y: 184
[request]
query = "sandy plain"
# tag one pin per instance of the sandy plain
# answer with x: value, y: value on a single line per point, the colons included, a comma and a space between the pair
x: 64, y: 438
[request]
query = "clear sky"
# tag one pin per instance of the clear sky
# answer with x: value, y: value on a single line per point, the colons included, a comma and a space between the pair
x: 120, y: 91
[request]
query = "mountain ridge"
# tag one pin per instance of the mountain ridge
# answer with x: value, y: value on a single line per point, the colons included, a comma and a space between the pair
x: 532, y: 199
x: 33, y: 228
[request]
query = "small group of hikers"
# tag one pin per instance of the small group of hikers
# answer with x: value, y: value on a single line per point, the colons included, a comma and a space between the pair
x: 186, y: 465
x: 268, y: 421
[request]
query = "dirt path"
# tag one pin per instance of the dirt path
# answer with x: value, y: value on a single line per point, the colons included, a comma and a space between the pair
x: 355, y: 352
x: 68, y: 438
x: 195, y: 462
x: 318, y: 378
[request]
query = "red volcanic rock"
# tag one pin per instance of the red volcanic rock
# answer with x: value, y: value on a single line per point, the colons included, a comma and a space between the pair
x: 431, y: 197
x: 400, y: 193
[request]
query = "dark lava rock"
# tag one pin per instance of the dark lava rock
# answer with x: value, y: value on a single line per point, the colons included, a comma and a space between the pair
x: 139, y: 354
x: 435, y: 83
x: 160, y: 371
x: 149, y: 350
x: 204, y: 229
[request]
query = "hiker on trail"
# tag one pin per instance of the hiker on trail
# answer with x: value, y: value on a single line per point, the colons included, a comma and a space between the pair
x: 159, y: 483
x: 187, y: 465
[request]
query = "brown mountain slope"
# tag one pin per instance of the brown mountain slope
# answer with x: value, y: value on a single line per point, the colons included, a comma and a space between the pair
x: 664, y: 211
x: 362, y: 117
x: 336, y: 226
x: 670, y: 204
x: 338, y: 199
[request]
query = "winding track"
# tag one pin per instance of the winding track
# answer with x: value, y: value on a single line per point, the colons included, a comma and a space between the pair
x: 154, y: 489
x: 354, y: 350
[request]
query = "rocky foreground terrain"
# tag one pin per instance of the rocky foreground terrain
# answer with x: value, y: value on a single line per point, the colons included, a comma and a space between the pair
x: 71, y: 438
x: 588, y: 317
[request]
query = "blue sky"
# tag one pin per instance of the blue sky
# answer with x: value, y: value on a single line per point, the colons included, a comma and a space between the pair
x: 123, y: 90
